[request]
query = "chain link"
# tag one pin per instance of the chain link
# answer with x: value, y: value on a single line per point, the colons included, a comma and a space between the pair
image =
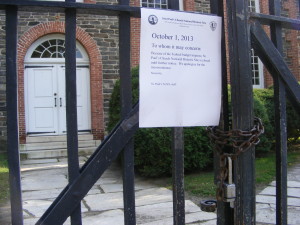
x: 236, y: 141
x: 239, y: 140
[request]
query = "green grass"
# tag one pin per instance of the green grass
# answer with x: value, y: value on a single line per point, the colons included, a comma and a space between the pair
x: 202, y: 183
x: 4, y: 187
x: 266, y: 167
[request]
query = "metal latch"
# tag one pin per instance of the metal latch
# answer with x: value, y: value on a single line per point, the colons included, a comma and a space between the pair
x: 229, y: 188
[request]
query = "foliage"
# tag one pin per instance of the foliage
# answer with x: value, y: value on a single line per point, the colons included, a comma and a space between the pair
x: 293, y: 118
x: 114, y: 103
x: 153, y: 155
x: 260, y: 111
x: 266, y: 138
x: 3, y: 178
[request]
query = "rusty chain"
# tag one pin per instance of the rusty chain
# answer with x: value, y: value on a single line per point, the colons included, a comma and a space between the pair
x: 236, y: 141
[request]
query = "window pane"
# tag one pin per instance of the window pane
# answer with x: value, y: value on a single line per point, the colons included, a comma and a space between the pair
x: 46, y: 44
x: 155, y: 3
x: 54, y: 48
x: 78, y: 54
x: 36, y: 54
x: 60, y: 42
x: 52, y: 42
x: 46, y: 54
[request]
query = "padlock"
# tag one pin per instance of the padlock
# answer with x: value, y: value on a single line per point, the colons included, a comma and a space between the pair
x: 229, y: 188
x: 229, y: 192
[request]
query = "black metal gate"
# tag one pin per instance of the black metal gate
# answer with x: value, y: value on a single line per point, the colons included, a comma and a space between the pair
x: 241, y: 26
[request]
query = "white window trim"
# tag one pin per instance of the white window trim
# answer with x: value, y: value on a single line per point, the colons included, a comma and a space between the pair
x: 260, y: 64
x: 261, y: 75
x: 28, y: 59
x: 181, y: 8
x: 257, y: 6
x: 59, y: 0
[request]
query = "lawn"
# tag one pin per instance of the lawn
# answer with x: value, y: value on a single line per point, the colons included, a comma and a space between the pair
x: 3, y: 179
x: 202, y: 185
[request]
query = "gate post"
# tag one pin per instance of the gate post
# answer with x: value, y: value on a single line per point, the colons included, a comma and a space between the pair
x: 224, y: 212
x: 177, y: 161
x: 242, y: 107
x: 11, y: 34
x: 280, y: 124
x: 126, y: 103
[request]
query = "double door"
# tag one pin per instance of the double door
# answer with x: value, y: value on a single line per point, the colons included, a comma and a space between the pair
x: 46, y: 101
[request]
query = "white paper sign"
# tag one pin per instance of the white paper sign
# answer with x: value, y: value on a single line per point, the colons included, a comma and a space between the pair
x: 180, y: 69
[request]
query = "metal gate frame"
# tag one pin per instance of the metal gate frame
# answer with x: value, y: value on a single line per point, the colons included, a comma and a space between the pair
x: 241, y: 26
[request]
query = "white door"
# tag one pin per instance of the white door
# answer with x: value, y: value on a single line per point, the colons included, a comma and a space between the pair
x: 83, y: 99
x: 46, y: 101
x: 41, y: 100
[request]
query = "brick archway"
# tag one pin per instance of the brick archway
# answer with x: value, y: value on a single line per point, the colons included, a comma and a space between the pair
x: 33, y: 34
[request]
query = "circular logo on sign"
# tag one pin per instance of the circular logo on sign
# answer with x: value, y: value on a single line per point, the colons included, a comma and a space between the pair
x: 152, y: 19
x: 213, y: 25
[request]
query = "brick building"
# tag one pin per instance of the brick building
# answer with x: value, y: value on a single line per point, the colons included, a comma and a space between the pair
x: 41, y: 62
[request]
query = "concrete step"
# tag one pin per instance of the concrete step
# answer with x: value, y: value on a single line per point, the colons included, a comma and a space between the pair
x: 54, y: 153
x: 56, y: 145
x: 56, y: 138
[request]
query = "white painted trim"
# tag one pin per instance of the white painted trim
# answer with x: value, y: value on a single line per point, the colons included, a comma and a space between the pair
x: 28, y: 59
x: 181, y: 7
x: 59, y: 0
x: 257, y: 6
x: 261, y: 75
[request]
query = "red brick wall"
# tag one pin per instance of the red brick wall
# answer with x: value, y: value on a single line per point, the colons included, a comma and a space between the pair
x: 135, y: 37
x: 291, y: 51
x: 189, y: 5
x: 33, y: 34
x: 264, y: 8
x: 290, y: 39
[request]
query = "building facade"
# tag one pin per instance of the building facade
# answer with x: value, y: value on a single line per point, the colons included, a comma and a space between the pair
x: 41, y: 84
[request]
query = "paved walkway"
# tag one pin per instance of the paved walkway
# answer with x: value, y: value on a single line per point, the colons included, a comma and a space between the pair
x: 43, y: 180
x: 266, y: 200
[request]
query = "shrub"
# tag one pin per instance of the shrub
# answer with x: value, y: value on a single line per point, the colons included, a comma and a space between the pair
x: 266, y: 139
x: 260, y: 111
x: 293, y: 124
x: 293, y: 119
x: 153, y: 154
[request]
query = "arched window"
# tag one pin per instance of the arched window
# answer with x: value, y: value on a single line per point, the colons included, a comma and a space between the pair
x: 51, y: 49
x: 54, y: 48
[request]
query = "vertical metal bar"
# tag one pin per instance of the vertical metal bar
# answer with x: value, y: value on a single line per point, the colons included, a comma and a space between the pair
x: 178, y: 176
x: 280, y: 124
x: 126, y: 101
x: 242, y: 107
x: 12, y: 115
x: 71, y: 104
x: 225, y: 214
x: 178, y: 162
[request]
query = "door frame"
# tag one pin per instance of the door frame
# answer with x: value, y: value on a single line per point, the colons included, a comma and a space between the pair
x: 96, y: 72
x: 60, y: 112
x: 29, y: 61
